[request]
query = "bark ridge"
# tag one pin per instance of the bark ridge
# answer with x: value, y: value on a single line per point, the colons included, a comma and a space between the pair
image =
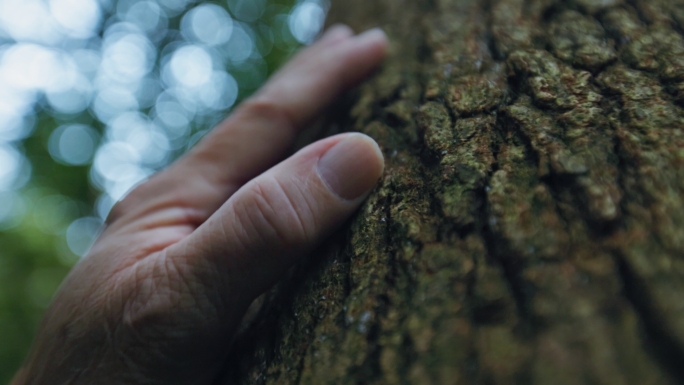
x: 530, y: 225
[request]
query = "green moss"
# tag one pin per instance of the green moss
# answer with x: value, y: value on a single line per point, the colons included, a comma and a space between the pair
x: 530, y: 220
x: 580, y: 41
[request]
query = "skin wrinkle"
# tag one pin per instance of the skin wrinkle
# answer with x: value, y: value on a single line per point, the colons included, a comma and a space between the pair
x: 219, y: 283
x: 243, y: 219
x: 140, y: 203
x: 189, y: 279
x: 244, y: 245
x: 167, y: 283
x: 133, y: 299
x: 263, y: 106
x: 223, y: 271
x: 147, y: 249
x: 175, y: 216
x: 266, y: 214
x: 139, y: 337
x: 290, y: 206
x: 278, y: 116
x: 226, y: 273
x: 69, y: 350
x: 272, y: 107
x: 309, y: 213
x: 261, y: 198
x: 255, y: 108
x: 121, y: 292
x: 162, y: 292
x: 155, y: 216
x: 136, y: 256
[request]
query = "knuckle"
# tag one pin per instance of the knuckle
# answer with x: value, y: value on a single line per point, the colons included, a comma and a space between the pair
x: 166, y: 294
x: 279, y: 213
x: 119, y: 209
x: 261, y: 107
x: 131, y: 200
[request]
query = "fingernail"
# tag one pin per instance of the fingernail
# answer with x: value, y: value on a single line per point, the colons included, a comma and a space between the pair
x: 352, y: 167
x: 338, y: 31
x: 372, y: 36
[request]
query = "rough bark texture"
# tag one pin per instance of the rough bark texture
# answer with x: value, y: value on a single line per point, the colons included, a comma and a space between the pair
x: 530, y: 225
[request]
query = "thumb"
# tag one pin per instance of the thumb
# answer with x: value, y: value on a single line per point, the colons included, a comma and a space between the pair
x: 280, y: 216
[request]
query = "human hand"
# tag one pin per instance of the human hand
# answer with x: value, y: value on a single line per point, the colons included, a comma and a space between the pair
x: 160, y: 294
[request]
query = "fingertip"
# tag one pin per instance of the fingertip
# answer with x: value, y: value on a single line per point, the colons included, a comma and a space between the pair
x: 335, y: 34
x: 279, y: 216
x: 362, y: 54
x: 377, y: 160
x: 374, y: 38
x: 355, y: 59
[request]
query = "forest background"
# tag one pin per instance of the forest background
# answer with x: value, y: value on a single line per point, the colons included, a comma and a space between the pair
x: 95, y: 96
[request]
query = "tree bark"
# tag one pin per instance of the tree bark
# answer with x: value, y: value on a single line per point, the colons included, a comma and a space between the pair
x: 529, y: 228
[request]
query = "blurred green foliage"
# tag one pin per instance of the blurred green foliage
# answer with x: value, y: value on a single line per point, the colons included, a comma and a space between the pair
x: 34, y: 254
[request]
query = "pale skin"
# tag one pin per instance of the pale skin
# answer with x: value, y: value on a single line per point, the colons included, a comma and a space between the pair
x: 159, y: 296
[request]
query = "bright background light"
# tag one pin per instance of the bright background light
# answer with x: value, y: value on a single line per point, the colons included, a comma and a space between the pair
x: 96, y: 96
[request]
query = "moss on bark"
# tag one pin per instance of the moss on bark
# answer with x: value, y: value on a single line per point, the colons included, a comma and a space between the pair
x: 530, y: 225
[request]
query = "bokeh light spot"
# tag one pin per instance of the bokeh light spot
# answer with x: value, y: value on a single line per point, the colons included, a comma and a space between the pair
x: 173, y: 117
x: 119, y: 88
x: 306, y: 21
x: 148, y: 140
x: 53, y: 213
x: 73, y: 144
x: 34, y: 67
x: 80, y: 18
x: 127, y: 57
x: 13, y: 126
x: 113, y: 101
x: 12, y: 209
x: 81, y: 234
x: 247, y: 10
x: 73, y: 100
x: 29, y: 21
x: 208, y: 24
x: 11, y: 166
x: 241, y: 45
x: 104, y: 205
x: 191, y: 66
x: 147, y: 15
x: 174, y: 7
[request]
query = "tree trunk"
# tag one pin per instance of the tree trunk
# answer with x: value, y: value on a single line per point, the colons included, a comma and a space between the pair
x: 530, y: 225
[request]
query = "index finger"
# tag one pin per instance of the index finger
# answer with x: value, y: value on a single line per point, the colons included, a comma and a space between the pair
x: 260, y: 131
x: 267, y: 123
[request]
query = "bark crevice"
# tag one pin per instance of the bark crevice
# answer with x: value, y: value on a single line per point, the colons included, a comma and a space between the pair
x: 530, y: 224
